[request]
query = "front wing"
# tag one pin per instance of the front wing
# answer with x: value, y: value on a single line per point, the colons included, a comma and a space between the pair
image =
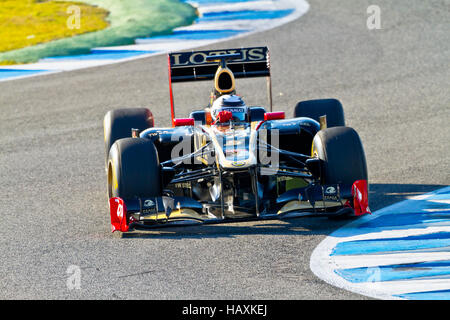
x: 165, y: 211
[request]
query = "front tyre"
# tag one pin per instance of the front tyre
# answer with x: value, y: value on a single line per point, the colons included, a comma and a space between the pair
x: 117, y: 124
x: 342, y: 155
x: 133, y: 169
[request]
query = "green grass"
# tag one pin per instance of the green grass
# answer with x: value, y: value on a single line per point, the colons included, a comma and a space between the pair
x: 127, y: 20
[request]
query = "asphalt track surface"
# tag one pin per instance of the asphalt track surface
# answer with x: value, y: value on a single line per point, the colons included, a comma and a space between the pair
x: 392, y: 82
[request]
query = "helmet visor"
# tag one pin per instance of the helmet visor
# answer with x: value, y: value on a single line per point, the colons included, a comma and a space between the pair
x: 239, y: 113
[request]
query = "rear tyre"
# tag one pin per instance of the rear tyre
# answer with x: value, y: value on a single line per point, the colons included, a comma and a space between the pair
x: 342, y: 155
x: 198, y: 116
x: 118, y: 123
x: 256, y: 114
x: 314, y: 109
x: 133, y: 169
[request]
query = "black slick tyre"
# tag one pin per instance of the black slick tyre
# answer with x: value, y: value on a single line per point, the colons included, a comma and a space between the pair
x: 314, y: 109
x: 117, y: 124
x: 342, y: 155
x: 133, y: 169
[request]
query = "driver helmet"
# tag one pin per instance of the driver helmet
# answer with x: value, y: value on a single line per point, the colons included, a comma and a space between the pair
x: 232, y: 103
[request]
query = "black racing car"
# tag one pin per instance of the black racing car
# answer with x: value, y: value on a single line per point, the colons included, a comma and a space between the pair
x: 229, y: 161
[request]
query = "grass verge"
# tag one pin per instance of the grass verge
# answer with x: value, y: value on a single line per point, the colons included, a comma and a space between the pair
x: 25, y: 23
x: 127, y: 20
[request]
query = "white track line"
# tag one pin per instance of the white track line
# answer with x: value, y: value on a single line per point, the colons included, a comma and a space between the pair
x: 324, y: 264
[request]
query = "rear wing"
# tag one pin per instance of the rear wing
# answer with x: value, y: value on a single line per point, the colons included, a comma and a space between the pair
x: 192, y: 66
x: 197, y: 65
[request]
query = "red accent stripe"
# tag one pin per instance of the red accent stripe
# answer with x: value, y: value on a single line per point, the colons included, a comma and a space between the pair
x: 278, y: 115
x: 172, y: 109
x: 183, y: 122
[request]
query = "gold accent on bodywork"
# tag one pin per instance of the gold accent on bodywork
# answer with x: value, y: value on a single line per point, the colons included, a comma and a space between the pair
x: 323, y: 122
x: 254, y: 124
x: 220, y: 156
x: 176, y: 214
x: 219, y: 72
x: 305, y: 205
x: 199, y: 142
x: 295, y: 205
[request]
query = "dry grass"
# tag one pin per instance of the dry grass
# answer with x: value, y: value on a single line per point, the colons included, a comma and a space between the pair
x: 28, y: 22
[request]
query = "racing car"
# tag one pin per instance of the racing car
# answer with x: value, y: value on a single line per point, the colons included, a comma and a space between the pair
x: 231, y: 161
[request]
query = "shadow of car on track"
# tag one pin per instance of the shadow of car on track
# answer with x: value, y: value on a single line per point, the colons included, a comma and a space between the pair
x: 383, y: 195
x: 286, y: 227
x: 380, y: 196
